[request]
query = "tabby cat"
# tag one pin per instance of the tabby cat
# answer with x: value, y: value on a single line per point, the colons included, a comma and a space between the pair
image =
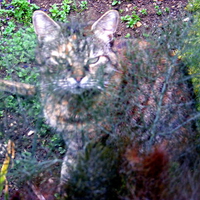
x: 83, y: 71
x: 79, y: 74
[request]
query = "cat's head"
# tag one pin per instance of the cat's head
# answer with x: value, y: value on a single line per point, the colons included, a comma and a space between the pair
x: 73, y: 60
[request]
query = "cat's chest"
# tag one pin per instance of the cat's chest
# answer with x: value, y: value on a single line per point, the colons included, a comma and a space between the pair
x: 75, y: 110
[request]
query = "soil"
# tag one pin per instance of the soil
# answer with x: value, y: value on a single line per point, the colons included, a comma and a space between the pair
x: 126, y: 7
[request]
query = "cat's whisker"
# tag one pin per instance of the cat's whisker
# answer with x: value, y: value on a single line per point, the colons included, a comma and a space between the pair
x: 106, y: 84
x: 118, y: 71
x: 100, y: 88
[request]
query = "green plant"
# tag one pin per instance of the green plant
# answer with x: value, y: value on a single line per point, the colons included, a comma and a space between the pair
x: 121, y: 10
x: 60, y: 13
x: 9, y: 29
x: 131, y: 20
x: 146, y: 35
x: 128, y: 35
x: 17, y: 50
x: 16, y: 47
x: 4, y: 14
x: 10, y: 102
x: 116, y: 2
x: 158, y: 10
x: 57, y: 143
x: 143, y: 11
x: 21, y: 10
x: 55, y: 12
x: 167, y: 9
x: 83, y: 5
x: 1, y: 115
x: 193, y: 5
x: 66, y: 6
x: 135, y: 8
x: 191, y: 50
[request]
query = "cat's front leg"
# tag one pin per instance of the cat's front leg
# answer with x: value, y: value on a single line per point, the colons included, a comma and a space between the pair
x: 69, y: 161
x: 68, y: 165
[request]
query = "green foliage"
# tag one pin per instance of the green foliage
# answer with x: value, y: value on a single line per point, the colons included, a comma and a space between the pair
x: 60, y: 13
x: 158, y: 10
x: 146, y: 35
x: 10, y: 102
x: 116, y: 2
x: 17, y: 44
x: 9, y: 29
x: 21, y: 10
x: 56, y: 13
x: 143, y: 11
x: 131, y: 20
x: 128, y: 35
x: 83, y: 5
x: 191, y: 50
x: 167, y: 9
x: 56, y: 142
x: 1, y: 115
x: 193, y: 5
x: 28, y: 167
x: 135, y: 8
x: 121, y: 11
x: 16, y: 47
x: 95, y: 174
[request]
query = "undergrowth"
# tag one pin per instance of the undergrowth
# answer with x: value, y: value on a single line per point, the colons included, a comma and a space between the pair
x: 191, y: 48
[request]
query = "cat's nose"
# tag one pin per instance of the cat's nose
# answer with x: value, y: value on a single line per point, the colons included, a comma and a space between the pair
x: 78, y: 75
x: 78, y: 79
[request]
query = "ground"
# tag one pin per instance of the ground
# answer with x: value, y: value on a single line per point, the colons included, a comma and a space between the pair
x: 152, y: 19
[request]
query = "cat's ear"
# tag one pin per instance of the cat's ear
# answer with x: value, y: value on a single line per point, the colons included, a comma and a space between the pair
x: 106, y: 25
x: 45, y: 28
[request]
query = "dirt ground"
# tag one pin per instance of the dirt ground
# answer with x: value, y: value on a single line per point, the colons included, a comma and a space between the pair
x: 152, y: 19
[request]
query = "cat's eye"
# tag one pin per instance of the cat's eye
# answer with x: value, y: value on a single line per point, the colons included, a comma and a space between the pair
x: 86, y: 68
x: 93, y: 60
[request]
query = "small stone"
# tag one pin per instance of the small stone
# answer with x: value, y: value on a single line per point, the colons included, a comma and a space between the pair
x: 186, y: 19
x: 31, y: 132
x: 138, y: 24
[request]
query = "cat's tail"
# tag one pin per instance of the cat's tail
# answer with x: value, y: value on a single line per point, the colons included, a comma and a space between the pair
x: 17, y: 88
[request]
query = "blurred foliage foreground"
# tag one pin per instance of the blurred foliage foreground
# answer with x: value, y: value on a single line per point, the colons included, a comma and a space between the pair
x: 139, y: 159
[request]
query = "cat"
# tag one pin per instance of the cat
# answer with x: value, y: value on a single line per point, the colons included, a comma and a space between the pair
x: 79, y: 74
x: 87, y: 78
